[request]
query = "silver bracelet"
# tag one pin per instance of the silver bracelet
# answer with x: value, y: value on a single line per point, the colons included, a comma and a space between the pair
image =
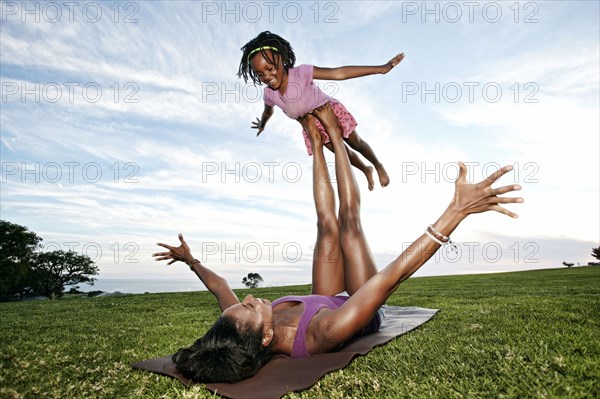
x: 434, y: 238
x: 192, y: 263
x: 438, y: 234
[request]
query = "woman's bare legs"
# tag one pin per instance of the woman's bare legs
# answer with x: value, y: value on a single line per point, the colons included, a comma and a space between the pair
x: 359, y: 265
x: 328, y: 267
x: 358, y: 164
x: 358, y: 144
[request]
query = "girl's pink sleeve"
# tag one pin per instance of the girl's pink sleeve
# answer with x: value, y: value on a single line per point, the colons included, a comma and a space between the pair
x: 305, y: 72
x: 268, y: 97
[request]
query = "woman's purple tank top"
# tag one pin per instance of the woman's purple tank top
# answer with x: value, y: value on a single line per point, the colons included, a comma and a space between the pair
x: 312, y: 303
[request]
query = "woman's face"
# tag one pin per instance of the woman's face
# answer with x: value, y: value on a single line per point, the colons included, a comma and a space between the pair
x: 252, y: 311
x: 271, y: 75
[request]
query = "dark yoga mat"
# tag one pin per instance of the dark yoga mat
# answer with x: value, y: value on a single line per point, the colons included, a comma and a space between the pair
x: 284, y: 374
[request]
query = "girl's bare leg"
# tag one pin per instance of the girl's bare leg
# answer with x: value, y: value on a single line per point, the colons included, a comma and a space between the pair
x: 328, y: 267
x: 359, y: 265
x: 358, y: 164
x: 358, y: 144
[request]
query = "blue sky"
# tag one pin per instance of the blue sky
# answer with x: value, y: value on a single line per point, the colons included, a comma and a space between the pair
x: 124, y: 123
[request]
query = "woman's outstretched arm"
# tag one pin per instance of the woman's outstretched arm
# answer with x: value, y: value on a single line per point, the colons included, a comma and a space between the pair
x: 468, y: 199
x: 354, y: 71
x: 216, y: 284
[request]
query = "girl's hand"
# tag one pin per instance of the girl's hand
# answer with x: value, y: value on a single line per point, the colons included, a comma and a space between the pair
x: 392, y: 63
x: 256, y: 125
x: 181, y: 253
x: 481, y: 197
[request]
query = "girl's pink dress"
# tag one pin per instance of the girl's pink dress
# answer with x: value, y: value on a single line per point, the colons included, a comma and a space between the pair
x: 302, y: 96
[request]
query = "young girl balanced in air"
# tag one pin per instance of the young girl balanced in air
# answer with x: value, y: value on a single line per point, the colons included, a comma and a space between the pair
x: 270, y: 59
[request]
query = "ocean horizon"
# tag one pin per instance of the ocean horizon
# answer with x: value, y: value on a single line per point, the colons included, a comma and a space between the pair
x: 136, y: 286
x: 140, y: 286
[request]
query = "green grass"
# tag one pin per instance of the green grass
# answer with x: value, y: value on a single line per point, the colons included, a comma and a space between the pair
x: 517, y: 335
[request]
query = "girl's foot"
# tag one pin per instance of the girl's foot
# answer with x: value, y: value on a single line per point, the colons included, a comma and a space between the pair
x: 369, y: 175
x: 384, y: 179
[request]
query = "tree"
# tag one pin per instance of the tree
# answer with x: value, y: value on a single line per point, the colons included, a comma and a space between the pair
x: 253, y: 280
x: 51, y: 271
x: 596, y: 253
x: 568, y: 264
x: 17, y: 248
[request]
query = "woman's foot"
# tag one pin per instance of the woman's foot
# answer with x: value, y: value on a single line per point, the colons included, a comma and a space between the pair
x: 308, y: 122
x: 329, y: 121
x: 384, y: 179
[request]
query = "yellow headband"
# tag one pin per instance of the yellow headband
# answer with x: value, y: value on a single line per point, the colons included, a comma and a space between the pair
x: 256, y: 50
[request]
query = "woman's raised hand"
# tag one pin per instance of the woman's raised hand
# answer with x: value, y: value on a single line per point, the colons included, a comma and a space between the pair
x: 481, y: 197
x: 181, y: 253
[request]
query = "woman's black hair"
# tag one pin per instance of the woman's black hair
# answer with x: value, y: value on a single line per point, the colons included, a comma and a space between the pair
x: 269, y: 39
x: 228, y: 352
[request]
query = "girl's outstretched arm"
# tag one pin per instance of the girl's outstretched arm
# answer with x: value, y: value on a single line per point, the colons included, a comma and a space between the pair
x: 468, y: 199
x: 349, y: 72
x: 262, y: 122
x: 216, y: 284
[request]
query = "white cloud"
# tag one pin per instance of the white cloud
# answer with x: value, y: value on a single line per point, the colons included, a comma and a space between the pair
x: 557, y: 137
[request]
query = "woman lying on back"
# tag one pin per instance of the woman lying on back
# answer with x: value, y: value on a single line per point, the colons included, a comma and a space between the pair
x: 250, y: 332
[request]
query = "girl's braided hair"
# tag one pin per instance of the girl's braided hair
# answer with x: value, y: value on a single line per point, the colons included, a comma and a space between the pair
x: 265, y: 39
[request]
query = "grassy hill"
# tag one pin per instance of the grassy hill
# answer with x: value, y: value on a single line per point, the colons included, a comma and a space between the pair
x: 519, y: 335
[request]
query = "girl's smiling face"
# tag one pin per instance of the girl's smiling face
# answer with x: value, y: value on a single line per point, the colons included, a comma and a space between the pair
x: 272, y: 75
